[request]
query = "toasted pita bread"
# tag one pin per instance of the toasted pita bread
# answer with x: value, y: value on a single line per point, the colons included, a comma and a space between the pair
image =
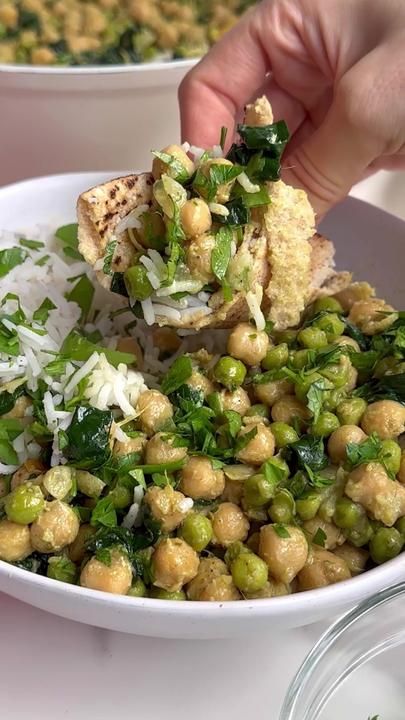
x: 279, y: 253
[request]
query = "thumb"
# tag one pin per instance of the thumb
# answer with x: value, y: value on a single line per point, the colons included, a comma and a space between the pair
x: 335, y: 156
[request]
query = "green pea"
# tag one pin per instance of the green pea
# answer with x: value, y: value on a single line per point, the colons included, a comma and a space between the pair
x: 258, y: 490
x: 328, y: 304
x: 62, y: 569
x: 24, y: 504
x: 60, y: 481
x: 282, y: 509
x: 351, y: 411
x: 332, y: 398
x: 325, y: 424
x: 391, y: 455
x: 229, y: 372
x: 120, y: 496
x: 196, y: 530
x: 276, y: 466
x: 400, y: 526
x: 234, y: 550
x: 332, y: 326
x: 137, y: 589
x: 249, y: 572
x: 160, y: 594
x: 258, y: 411
x: 283, y: 434
x: 348, y: 514
x: 302, y: 387
x: 276, y: 357
x: 337, y: 373
x: 312, y: 338
x: 299, y: 358
x: 385, y: 544
x: 361, y: 534
x: 308, y: 504
x: 137, y: 282
x: 285, y: 336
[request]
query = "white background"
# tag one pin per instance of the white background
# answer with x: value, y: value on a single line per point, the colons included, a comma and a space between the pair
x: 54, y: 669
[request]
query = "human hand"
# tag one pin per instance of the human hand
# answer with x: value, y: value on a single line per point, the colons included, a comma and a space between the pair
x: 337, y: 78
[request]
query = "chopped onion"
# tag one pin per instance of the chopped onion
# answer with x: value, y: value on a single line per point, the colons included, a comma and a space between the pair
x: 247, y: 184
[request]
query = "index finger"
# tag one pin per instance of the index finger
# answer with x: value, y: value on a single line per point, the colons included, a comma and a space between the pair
x: 213, y: 93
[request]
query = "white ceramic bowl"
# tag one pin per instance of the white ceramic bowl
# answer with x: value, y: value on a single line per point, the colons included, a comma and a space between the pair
x: 371, y: 243
x: 87, y: 118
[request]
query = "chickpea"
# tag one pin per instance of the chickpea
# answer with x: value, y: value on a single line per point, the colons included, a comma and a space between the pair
x: 166, y: 340
x: 198, y: 257
x: 260, y: 447
x: 160, y: 450
x: 144, y: 13
x: 31, y: 470
x: 273, y: 588
x: 154, y: 409
x: 229, y: 524
x: 200, y: 481
x: 21, y: 406
x: 334, y: 536
x: 8, y: 15
x: 82, y: 43
x: 15, y: 541
x: 348, y: 342
x: 247, y: 344
x: 130, y: 345
x: 132, y: 445
x: 159, y: 167
x: 269, y: 393
x: 220, y: 589
x: 77, y: 550
x: 223, y: 191
x: 355, y: 558
x: 233, y: 491
x: 168, y: 506
x: 208, y: 569
x: 368, y: 315
x: 195, y: 217
x: 285, y: 556
x: 288, y: 408
x: 339, y: 440
x: 354, y: 292
x: 401, y: 472
x: 198, y: 381
x: 384, y: 417
x: 382, y: 497
x: 43, y: 56
x: 94, y: 20
x: 174, y: 564
x: 236, y: 400
x: 114, y: 578
x: 321, y: 569
x: 56, y: 527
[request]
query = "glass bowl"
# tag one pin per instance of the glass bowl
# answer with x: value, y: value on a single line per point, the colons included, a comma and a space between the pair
x: 357, y: 669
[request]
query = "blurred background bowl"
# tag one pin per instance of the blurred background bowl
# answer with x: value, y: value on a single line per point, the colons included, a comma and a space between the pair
x: 357, y: 669
x: 86, y: 118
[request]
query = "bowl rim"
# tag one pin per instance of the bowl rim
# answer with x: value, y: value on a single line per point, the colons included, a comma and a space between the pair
x: 325, y: 643
x: 137, y: 68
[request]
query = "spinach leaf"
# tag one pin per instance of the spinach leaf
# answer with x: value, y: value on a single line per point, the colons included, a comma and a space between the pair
x: 221, y: 253
x: 356, y: 334
x: 177, y: 375
x: 390, y: 387
x: 68, y: 235
x: 118, y: 285
x: 82, y: 294
x: 239, y: 213
x: 129, y: 540
x: 364, y: 361
x: 309, y: 452
x: 272, y: 138
x: 186, y: 399
x: 88, y: 436
x: 35, y: 563
x: 10, y: 258
x: 42, y: 313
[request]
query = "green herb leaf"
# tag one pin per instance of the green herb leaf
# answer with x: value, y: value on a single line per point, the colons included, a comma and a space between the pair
x: 316, y: 480
x: 177, y: 375
x: 162, y: 467
x: 319, y: 537
x: 31, y: 244
x: 316, y: 396
x: 119, y: 536
x: 8, y: 455
x: 10, y: 258
x: 10, y: 428
x: 68, y: 235
x: 108, y: 256
x: 8, y: 400
x: 390, y: 387
x: 41, y: 315
x: 222, y: 139
x: 251, y: 200
x: 245, y: 439
x: 82, y: 294
x: 221, y: 253
x: 281, y: 531
x: 62, y: 569
x: 356, y: 334
x: 218, y: 175
x: 42, y: 260
x: 77, y: 347
x: 88, y: 436
x: 179, y: 172
x: 309, y: 452
x: 118, y: 284
x: 138, y: 476
x: 104, y: 514
x: 238, y: 215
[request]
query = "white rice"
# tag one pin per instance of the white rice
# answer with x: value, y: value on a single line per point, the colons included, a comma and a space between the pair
x: 132, y: 219
x: 247, y: 184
